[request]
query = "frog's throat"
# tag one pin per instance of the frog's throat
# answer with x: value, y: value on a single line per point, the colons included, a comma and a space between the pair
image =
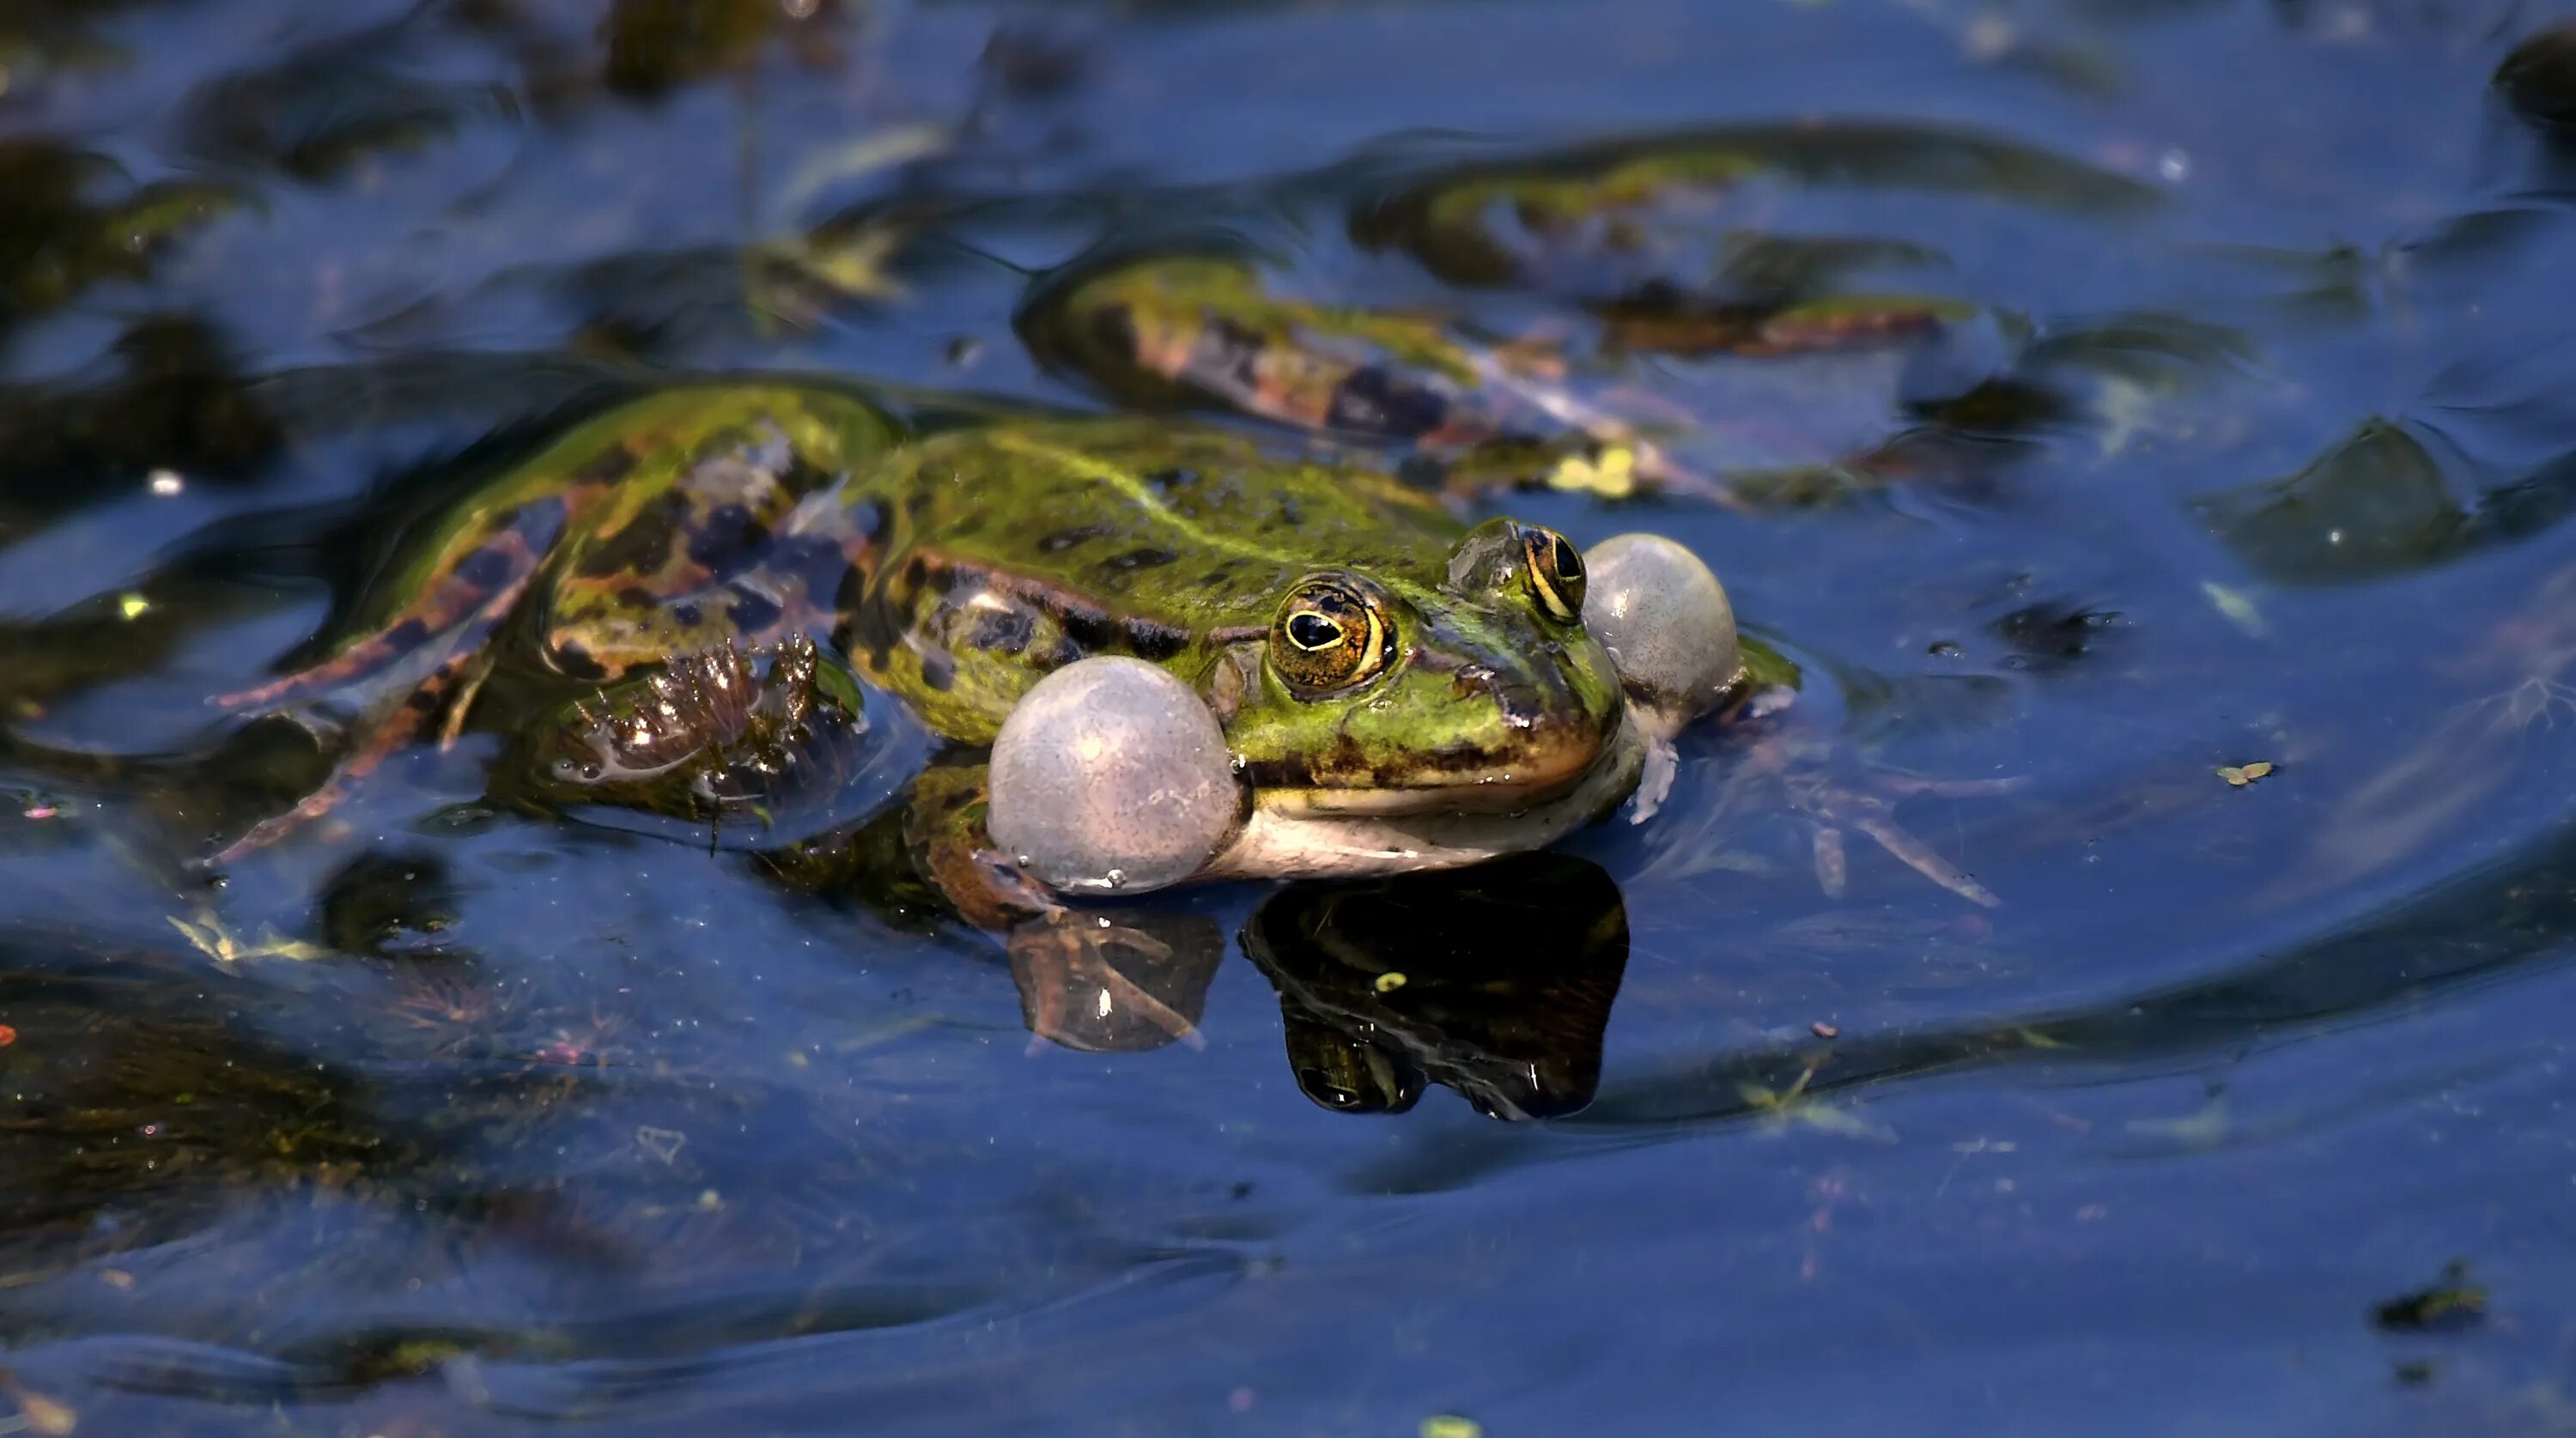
x: 1289, y: 842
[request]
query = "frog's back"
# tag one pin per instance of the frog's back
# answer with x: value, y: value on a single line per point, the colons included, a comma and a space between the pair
x: 1009, y: 551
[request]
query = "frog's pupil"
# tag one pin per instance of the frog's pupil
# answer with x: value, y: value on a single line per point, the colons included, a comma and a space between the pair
x: 1313, y: 631
x: 1568, y: 563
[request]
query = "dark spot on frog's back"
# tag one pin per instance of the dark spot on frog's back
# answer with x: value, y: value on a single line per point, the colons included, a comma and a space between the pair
x: 1156, y: 642
x: 1113, y: 328
x: 938, y: 671
x: 726, y: 538
x: 1165, y: 481
x: 1091, y: 630
x: 606, y: 467
x: 753, y: 612
x: 574, y: 661
x: 1064, y: 539
x: 1136, y: 559
x: 645, y: 542
x: 635, y: 596
x: 1006, y: 631
x: 1231, y: 350
x: 1372, y: 401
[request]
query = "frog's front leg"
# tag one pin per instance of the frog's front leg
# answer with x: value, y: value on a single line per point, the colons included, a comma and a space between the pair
x: 1056, y: 950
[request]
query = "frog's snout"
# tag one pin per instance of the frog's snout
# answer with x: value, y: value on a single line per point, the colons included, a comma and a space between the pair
x: 1550, y: 737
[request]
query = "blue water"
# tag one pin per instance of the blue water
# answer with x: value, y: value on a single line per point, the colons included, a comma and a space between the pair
x: 2256, y: 444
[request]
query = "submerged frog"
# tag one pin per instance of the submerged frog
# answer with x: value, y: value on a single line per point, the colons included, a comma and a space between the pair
x: 1663, y: 335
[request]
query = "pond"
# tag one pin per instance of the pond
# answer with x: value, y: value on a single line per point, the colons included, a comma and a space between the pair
x: 2107, y: 981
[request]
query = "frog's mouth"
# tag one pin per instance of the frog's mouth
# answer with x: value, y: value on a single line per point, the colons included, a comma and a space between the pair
x: 1289, y: 837
x: 1553, y: 748
x: 1434, y: 783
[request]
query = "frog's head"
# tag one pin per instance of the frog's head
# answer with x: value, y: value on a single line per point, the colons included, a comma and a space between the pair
x: 1375, y: 696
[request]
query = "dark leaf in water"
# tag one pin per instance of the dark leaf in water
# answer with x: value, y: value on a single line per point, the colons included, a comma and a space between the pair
x: 2376, y: 504
x: 388, y: 903
x: 2453, y: 1303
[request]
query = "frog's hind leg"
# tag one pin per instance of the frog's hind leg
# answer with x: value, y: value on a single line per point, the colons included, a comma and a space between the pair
x: 389, y: 727
x: 470, y: 596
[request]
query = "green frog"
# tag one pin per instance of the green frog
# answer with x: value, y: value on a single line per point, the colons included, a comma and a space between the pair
x: 1396, y: 688
x: 1660, y: 336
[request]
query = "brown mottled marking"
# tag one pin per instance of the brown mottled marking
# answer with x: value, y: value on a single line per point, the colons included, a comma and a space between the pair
x: 501, y: 565
x: 646, y: 542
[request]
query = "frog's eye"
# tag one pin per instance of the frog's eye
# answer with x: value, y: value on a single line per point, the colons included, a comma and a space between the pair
x: 1555, y: 572
x: 1329, y: 636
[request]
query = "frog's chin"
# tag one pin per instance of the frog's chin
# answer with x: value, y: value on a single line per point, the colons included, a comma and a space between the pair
x: 1288, y: 838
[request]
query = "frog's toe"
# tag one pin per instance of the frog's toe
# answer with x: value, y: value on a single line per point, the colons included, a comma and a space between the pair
x: 1074, y: 993
x: 1870, y: 811
x: 1921, y: 858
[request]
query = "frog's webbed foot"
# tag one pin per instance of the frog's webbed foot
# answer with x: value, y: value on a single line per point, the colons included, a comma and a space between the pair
x: 1075, y: 992
x: 380, y: 736
x: 455, y: 619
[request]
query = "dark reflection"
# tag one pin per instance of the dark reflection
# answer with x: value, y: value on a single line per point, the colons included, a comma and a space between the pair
x: 76, y: 220
x: 1495, y: 981
x: 174, y: 397
x: 318, y: 112
x: 2539, y: 78
x: 140, y: 1104
x: 389, y: 904
x: 656, y: 46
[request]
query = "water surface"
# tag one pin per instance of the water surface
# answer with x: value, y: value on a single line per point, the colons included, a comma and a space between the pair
x: 2252, y: 440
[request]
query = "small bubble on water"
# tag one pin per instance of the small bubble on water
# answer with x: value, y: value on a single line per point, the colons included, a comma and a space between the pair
x: 2174, y: 165
x: 167, y: 482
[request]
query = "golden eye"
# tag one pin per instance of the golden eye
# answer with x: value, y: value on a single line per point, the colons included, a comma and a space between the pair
x: 1555, y: 571
x: 1329, y: 636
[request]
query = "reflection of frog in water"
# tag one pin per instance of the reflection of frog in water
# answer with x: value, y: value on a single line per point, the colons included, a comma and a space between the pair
x: 1495, y: 981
